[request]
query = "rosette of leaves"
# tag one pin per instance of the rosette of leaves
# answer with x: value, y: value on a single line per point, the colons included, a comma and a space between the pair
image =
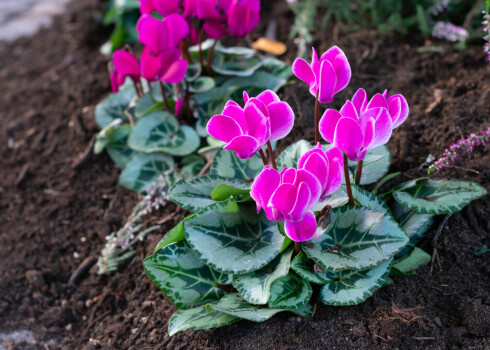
x: 145, y: 139
x: 226, y: 262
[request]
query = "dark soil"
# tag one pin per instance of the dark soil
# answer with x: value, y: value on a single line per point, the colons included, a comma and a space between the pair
x: 58, y: 202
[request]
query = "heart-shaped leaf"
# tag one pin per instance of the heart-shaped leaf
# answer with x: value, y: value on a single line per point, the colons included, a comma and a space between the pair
x: 368, y: 200
x: 357, y: 239
x: 337, y: 199
x: 160, y: 132
x: 290, y: 292
x: 143, y: 169
x: 227, y: 164
x: 412, y: 261
x: 195, y: 194
x: 202, y: 84
x: 239, y: 66
x: 235, y: 305
x: 255, y: 286
x: 233, y: 238
x: 113, y: 106
x: 185, y: 279
x: 375, y: 165
x: 351, y: 287
x: 411, y: 222
x: 198, y: 318
x: 118, y: 148
x: 310, y: 271
x: 291, y: 155
x: 439, y: 196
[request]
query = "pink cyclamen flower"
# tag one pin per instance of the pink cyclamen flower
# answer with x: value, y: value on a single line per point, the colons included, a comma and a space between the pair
x: 245, y: 130
x: 356, y: 133
x: 166, y: 66
x: 288, y: 196
x: 125, y: 65
x: 166, y: 7
x: 280, y: 113
x: 327, y: 166
x: 396, y: 105
x: 243, y: 16
x: 325, y: 76
x: 163, y: 35
x: 147, y: 7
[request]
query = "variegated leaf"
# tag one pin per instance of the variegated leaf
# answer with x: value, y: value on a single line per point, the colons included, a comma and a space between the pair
x: 290, y: 292
x: 143, y: 169
x: 227, y: 164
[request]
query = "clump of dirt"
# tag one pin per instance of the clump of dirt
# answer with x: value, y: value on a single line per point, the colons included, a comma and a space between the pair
x: 58, y: 202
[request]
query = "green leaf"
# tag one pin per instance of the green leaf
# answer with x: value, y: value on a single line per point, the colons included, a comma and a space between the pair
x: 102, y: 137
x: 225, y: 191
x: 234, y: 305
x: 290, y: 292
x: 239, y: 66
x: 118, y: 148
x: 368, y: 200
x: 337, y: 199
x: 151, y: 101
x: 357, y: 239
x: 185, y: 279
x: 411, y: 222
x: 255, y: 286
x: 174, y: 235
x: 233, y: 238
x: 193, y: 72
x: 413, y: 261
x: 195, y: 194
x: 351, y: 287
x: 439, y: 196
x: 375, y: 165
x: 113, y: 106
x: 143, y: 169
x: 310, y: 271
x: 291, y: 155
x: 254, y: 84
x: 160, y: 132
x: 197, y: 319
x: 202, y: 84
x: 227, y: 164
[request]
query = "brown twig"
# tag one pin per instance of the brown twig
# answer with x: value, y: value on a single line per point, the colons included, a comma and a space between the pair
x: 436, y: 237
x: 81, y: 270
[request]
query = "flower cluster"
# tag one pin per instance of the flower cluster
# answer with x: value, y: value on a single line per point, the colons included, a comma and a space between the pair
x: 449, y: 32
x: 460, y: 149
x: 486, y: 29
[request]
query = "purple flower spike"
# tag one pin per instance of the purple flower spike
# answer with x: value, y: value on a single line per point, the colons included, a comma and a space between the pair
x: 325, y: 76
x: 353, y: 133
x: 245, y: 130
x: 243, y: 16
x: 280, y: 113
x: 288, y: 196
x: 326, y: 166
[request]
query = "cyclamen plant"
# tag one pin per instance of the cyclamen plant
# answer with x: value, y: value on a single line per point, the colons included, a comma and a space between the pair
x: 234, y: 257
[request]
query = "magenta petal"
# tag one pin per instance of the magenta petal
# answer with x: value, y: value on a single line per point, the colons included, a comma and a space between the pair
x: 281, y: 118
x: 260, y: 105
x: 206, y: 10
x: 394, y: 108
x: 147, y: 7
x: 288, y: 175
x: 150, y: 31
x: 368, y: 125
x: 125, y: 63
x: 150, y: 65
x: 231, y: 103
x: 245, y: 97
x: 331, y: 54
x: 359, y: 100
x: 383, y: 129
x: 342, y: 72
x: 166, y: 7
x: 243, y: 16
x: 238, y: 114
x: 176, y: 29
x: 335, y: 170
x: 215, y: 30
x: 303, y: 230
x: 348, y: 110
x: 303, y: 71
x: 404, y: 110
x: 223, y: 128
x: 268, y: 97
x: 244, y: 146
x: 327, y: 82
x: 263, y: 187
x: 303, y: 199
x: 284, y: 198
x: 328, y: 123
x: 317, y: 164
x: 348, y: 137
x: 314, y: 185
x: 377, y: 101
x: 176, y: 72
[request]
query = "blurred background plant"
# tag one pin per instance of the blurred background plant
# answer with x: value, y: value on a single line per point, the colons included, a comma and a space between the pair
x: 453, y: 20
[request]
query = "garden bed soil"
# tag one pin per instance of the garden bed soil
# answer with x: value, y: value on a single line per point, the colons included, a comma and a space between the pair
x: 58, y: 201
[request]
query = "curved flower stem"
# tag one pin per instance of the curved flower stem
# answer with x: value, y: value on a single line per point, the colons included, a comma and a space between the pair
x: 201, y: 38
x: 184, y: 48
x: 210, y: 57
x: 271, y: 155
x: 138, y: 92
x: 358, y: 172
x: 347, y: 180
x: 164, y: 95
x: 317, y: 119
x: 297, y: 247
x: 264, y: 158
